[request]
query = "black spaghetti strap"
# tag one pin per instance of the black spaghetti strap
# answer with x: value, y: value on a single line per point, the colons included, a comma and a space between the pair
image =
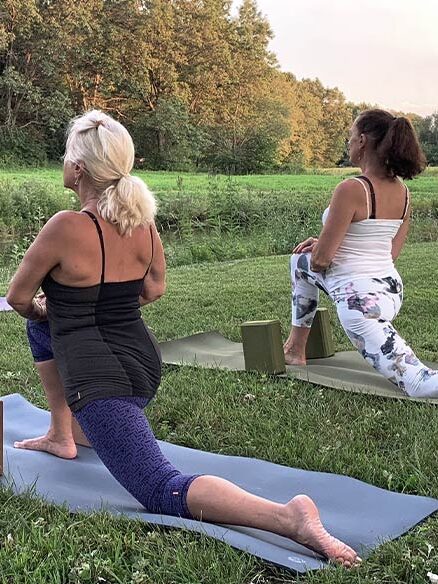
x: 152, y: 249
x: 406, y: 202
x: 372, y: 194
x: 102, y: 246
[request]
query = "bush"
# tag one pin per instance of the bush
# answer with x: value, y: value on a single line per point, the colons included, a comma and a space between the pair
x: 21, y: 147
x: 26, y: 206
x: 227, y: 221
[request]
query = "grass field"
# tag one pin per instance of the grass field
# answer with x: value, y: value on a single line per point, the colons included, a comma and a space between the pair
x: 207, y: 218
x: 191, y: 183
x: 389, y: 443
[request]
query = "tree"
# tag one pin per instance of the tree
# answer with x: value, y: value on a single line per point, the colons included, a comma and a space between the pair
x: 166, y: 136
x: 428, y: 134
x: 195, y: 84
x: 34, y: 106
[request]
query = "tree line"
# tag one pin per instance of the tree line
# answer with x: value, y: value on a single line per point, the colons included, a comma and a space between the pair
x: 194, y: 83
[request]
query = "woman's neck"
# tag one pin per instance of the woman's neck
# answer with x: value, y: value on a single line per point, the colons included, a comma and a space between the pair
x: 89, y: 205
x: 88, y: 199
x: 373, y: 167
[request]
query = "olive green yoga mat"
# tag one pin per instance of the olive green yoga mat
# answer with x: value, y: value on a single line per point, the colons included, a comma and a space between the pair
x: 346, y: 370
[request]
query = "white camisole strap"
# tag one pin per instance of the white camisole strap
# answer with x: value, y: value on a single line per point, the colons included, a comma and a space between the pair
x: 366, y: 193
x: 408, y: 202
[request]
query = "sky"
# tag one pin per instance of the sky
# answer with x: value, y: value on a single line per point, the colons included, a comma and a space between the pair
x: 383, y: 52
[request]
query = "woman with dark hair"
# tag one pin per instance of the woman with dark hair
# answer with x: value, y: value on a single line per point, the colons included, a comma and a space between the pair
x: 99, y: 361
x: 364, y: 230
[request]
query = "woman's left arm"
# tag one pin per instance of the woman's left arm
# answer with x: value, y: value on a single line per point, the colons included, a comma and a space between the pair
x: 343, y: 206
x: 41, y: 257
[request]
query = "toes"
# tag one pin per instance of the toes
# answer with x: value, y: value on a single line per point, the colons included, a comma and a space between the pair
x: 349, y: 558
x: 23, y: 444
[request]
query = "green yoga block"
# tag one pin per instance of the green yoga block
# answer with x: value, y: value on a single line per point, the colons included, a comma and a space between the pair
x: 320, y: 343
x: 262, y: 346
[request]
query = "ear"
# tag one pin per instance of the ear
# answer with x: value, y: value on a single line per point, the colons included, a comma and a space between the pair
x: 362, y: 140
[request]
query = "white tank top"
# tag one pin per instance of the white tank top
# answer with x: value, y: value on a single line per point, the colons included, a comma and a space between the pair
x: 366, y: 250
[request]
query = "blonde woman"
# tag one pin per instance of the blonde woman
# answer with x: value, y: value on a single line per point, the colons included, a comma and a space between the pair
x: 96, y: 267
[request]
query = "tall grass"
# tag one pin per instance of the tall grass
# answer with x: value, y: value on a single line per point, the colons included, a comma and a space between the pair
x: 216, y: 218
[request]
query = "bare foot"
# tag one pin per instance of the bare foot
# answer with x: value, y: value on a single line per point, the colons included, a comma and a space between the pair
x: 293, y: 359
x: 62, y: 448
x: 308, y: 530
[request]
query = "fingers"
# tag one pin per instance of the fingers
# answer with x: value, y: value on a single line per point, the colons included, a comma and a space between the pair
x: 305, y: 246
x: 299, y: 248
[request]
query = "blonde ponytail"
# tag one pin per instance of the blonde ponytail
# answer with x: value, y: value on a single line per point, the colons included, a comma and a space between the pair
x: 127, y: 204
x: 106, y: 150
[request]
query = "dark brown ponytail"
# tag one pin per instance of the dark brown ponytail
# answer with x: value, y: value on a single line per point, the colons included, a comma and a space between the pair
x: 395, y: 142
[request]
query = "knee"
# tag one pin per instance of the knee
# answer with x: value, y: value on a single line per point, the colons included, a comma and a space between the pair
x: 38, y: 334
x: 34, y: 327
x: 300, y: 261
x: 299, y: 268
x: 165, y: 494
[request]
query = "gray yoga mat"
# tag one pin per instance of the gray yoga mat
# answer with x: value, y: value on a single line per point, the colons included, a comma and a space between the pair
x: 346, y: 370
x: 362, y: 515
x: 4, y: 306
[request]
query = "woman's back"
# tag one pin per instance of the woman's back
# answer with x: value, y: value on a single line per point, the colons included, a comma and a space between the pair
x: 100, y: 342
x: 366, y: 250
x: 126, y: 257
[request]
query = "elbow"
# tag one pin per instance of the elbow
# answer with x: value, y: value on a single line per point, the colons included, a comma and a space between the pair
x: 20, y: 305
x: 395, y: 252
x: 163, y: 289
x: 13, y: 300
x: 153, y: 293
x: 159, y: 291
x: 10, y: 299
x: 316, y: 267
x: 320, y: 260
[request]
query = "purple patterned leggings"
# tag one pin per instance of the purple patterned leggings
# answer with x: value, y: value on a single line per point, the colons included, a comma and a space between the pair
x: 122, y: 438
x: 120, y: 434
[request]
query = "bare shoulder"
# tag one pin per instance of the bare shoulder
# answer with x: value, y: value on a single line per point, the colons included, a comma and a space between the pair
x: 349, y: 191
x: 63, y: 219
x: 63, y: 223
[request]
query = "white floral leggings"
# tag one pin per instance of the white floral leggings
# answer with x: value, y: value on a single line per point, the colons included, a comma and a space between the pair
x: 365, y: 311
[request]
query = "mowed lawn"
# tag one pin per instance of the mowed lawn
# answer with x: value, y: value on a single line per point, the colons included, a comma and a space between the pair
x: 392, y: 444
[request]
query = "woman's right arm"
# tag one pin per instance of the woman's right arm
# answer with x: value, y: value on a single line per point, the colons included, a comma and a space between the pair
x: 42, y: 256
x: 154, y: 285
x: 400, y: 237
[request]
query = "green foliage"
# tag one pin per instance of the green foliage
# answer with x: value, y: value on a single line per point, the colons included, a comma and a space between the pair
x: 195, y: 83
x: 208, y: 218
x: 21, y: 147
x: 34, y: 105
x: 167, y: 137
x: 428, y: 132
x: 26, y: 206
x: 251, y: 148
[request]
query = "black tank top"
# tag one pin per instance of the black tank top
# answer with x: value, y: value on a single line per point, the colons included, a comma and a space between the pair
x: 101, y: 346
